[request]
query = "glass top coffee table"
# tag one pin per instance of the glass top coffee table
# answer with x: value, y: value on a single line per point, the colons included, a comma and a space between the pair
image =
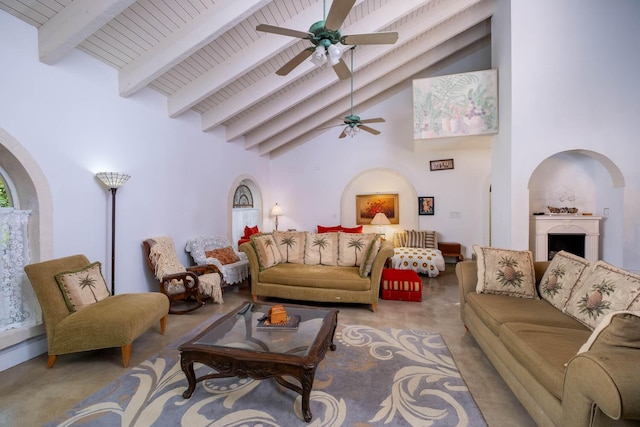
x: 235, y: 347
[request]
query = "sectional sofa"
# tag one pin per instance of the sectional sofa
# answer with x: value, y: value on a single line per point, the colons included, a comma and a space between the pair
x: 564, y: 335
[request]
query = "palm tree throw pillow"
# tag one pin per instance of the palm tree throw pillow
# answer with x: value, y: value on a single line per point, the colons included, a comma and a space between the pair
x: 352, y: 248
x: 505, y: 272
x: 291, y: 245
x: 82, y: 287
x: 267, y: 250
x: 321, y: 249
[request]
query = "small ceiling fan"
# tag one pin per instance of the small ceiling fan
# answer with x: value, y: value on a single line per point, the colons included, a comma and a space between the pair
x: 324, y: 35
x: 353, y: 123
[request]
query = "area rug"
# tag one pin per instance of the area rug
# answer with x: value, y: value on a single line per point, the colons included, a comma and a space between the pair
x: 376, y: 377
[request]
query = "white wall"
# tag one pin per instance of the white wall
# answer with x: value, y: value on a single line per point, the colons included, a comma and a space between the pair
x: 573, y: 85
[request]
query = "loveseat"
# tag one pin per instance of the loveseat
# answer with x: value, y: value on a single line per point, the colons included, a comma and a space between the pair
x: 297, y: 275
x: 568, y: 344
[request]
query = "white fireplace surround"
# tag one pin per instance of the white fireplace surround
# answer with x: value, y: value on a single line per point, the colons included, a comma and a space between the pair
x: 588, y: 225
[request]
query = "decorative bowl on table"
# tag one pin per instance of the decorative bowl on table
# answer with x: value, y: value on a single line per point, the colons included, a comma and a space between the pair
x: 564, y: 210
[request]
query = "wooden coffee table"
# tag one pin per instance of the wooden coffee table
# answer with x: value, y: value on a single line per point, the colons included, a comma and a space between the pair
x: 234, y: 347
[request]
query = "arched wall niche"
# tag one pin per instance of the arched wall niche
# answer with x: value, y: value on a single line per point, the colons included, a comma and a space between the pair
x: 33, y: 192
x: 238, y: 217
x: 586, y: 180
x: 381, y: 181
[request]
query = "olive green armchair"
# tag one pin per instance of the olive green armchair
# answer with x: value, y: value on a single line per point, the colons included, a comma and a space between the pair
x: 115, y: 321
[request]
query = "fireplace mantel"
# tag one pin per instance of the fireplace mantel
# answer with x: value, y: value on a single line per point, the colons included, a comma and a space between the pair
x: 589, y: 225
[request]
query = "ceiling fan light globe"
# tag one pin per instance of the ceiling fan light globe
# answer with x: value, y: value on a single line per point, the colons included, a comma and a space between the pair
x: 334, y: 54
x: 319, y: 57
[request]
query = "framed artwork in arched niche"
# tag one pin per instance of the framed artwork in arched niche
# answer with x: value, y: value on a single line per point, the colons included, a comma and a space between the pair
x: 242, y: 198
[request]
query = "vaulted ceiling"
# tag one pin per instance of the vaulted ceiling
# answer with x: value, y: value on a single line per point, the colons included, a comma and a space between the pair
x: 206, y: 55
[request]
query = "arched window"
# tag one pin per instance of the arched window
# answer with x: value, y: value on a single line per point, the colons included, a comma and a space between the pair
x: 6, y: 201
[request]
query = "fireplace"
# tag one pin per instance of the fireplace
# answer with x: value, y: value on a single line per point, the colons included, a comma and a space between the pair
x: 577, y: 234
x: 573, y: 243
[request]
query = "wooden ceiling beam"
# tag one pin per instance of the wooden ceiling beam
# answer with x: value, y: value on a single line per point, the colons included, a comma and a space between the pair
x: 170, y: 52
x: 73, y: 24
x: 383, y: 17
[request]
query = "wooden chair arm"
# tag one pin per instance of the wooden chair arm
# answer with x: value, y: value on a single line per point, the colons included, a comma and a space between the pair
x: 203, y: 269
x: 189, y: 279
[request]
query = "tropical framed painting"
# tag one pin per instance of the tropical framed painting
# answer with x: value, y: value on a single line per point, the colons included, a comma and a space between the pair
x: 368, y: 205
x: 456, y: 105
x: 426, y: 205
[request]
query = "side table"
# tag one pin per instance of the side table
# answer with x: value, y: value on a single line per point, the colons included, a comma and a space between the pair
x: 451, y: 249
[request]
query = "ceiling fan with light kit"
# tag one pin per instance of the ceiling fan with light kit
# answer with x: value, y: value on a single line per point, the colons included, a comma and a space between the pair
x: 352, y: 123
x: 325, y: 35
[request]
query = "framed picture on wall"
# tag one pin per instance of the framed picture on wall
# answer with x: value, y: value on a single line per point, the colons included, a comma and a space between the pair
x: 368, y: 205
x: 425, y: 206
x: 440, y: 165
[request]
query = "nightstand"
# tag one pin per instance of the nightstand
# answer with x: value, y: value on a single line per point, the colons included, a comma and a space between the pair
x: 451, y: 249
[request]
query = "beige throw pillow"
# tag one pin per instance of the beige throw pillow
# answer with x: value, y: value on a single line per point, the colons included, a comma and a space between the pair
x: 267, y: 250
x: 560, y: 278
x: 370, y: 256
x: 291, y: 245
x: 82, y: 287
x: 352, y: 248
x: 605, y: 289
x: 505, y: 272
x: 616, y: 329
x: 321, y: 249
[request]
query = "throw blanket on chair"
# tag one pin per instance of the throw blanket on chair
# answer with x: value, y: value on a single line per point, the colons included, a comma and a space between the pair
x: 164, y: 258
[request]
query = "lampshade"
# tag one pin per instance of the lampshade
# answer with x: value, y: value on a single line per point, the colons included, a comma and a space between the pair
x: 276, y: 210
x: 113, y: 179
x: 319, y: 56
x: 380, y: 219
x: 334, y: 54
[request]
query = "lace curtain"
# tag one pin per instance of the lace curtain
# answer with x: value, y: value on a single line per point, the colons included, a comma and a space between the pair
x: 19, y: 307
x: 242, y: 217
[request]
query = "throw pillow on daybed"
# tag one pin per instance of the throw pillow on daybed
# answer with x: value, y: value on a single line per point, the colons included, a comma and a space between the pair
x: 82, y: 287
x: 321, y: 249
x: 225, y: 255
x: 267, y: 250
x: 291, y: 245
x: 605, y: 289
x: 560, y: 278
x: 505, y: 272
x: 352, y: 248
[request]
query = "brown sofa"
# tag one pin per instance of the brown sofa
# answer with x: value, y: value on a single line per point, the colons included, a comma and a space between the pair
x: 534, y: 347
x: 321, y: 283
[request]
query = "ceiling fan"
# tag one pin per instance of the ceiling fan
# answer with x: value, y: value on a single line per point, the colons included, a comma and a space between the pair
x: 353, y: 123
x: 324, y: 35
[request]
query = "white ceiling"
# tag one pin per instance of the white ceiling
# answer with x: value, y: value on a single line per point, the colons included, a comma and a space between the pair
x: 206, y: 56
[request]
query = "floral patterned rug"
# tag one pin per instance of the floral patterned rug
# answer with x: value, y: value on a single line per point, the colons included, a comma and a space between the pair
x: 376, y: 377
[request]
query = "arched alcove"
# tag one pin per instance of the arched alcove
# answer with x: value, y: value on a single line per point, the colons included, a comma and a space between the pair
x: 240, y: 216
x: 381, y: 181
x: 588, y: 181
x: 33, y: 193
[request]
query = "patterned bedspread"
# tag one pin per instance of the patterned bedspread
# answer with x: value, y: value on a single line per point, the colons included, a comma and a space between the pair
x: 420, y: 260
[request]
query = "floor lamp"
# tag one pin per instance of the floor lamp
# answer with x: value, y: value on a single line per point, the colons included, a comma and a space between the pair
x: 113, y: 181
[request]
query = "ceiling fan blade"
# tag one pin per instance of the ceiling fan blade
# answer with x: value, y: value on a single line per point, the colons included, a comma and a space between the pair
x: 370, y: 38
x: 297, y: 60
x: 370, y: 130
x: 283, y: 31
x: 344, y: 132
x: 342, y: 70
x: 377, y: 120
x: 338, y: 13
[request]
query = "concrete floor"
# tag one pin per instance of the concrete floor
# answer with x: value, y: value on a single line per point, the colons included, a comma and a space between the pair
x: 31, y: 394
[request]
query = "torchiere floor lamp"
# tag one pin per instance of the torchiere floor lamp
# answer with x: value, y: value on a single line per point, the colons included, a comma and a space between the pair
x: 113, y: 180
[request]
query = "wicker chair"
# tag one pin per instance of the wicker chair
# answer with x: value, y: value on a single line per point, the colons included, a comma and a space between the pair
x: 203, y: 250
x: 185, y: 287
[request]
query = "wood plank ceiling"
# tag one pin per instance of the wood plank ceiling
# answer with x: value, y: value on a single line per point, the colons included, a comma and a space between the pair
x: 206, y: 55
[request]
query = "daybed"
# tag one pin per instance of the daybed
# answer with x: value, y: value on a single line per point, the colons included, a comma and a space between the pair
x: 417, y: 251
x: 217, y: 250
x: 534, y: 323
x: 310, y: 267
